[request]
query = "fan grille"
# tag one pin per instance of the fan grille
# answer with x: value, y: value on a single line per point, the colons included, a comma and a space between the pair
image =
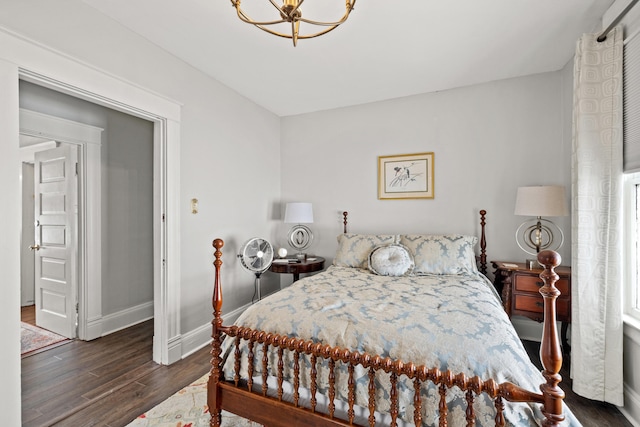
x: 256, y: 255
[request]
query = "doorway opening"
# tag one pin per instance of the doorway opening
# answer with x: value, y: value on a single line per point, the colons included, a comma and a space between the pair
x: 113, y: 238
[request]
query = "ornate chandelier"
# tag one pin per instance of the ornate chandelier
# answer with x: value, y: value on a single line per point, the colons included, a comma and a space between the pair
x: 290, y: 12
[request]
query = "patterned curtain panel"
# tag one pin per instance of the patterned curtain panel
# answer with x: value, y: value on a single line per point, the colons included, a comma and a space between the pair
x: 596, y: 329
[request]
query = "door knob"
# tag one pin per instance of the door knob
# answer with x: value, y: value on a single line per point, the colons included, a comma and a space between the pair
x: 35, y: 247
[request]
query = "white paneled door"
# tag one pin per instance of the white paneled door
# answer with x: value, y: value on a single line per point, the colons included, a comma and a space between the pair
x: 55, y: 243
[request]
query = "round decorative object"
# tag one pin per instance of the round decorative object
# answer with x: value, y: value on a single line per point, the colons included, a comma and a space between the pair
x: 282, y: 253
x: 300, y: 237
x: 537, y: 234
x: 390, y: 260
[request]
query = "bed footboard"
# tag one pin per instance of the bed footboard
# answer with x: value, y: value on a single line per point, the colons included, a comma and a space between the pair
x: 269, y: 407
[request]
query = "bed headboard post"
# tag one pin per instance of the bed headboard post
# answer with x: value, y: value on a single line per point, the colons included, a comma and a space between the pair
x: 213, y: 396
x: 550, y: 350
x: 344, y: 221
x: 483, y: 243
x: 217, y: 286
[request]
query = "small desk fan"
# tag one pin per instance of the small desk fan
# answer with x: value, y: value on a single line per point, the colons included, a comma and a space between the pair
x: 256, y: 256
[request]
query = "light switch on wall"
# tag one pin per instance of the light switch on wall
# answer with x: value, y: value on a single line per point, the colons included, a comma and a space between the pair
x: 194, y: 206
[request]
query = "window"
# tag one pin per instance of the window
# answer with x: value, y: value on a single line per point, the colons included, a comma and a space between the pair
x: 631, y: 135
x: 632, y: 244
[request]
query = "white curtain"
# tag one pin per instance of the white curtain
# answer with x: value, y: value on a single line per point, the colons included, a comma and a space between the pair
x: 596, y: 329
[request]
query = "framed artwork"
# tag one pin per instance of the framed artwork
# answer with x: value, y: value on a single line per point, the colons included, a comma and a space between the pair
x: 405, y: 176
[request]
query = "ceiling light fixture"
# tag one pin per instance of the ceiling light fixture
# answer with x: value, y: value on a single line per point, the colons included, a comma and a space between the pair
x: 290, y: 12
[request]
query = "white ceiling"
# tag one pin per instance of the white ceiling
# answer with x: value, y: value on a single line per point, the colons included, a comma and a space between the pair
x: 386, y: 49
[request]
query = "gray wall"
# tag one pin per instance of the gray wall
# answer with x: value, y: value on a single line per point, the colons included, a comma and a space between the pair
x: 487, y: 139
x: 127, y: 193
x: 229, y: 152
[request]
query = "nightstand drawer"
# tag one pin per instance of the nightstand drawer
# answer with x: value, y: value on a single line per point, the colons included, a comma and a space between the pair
x: 535, y: 304
x: 533, y: 284
x: 519, y: 286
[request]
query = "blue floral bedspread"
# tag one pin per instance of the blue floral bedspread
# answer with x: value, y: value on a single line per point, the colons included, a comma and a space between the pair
x: 451, y: 322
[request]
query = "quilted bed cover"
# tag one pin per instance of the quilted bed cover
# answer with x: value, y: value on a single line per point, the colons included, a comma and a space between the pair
x: 451, y: 322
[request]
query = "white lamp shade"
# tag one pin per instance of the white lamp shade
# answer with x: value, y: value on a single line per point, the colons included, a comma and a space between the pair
x: 298, y: 213
x: 541, y: 200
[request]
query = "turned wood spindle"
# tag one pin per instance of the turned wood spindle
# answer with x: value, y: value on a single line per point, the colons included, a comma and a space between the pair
x: 417, y: 402
x: 372, y: 397
x: 236, y: 363
x: 352, y: 393
x: 296, y: 378
x: 442, y: 405
x: 314, y: 384
x: 280, y: 372
x: 250, y: 361
x: 470, y: 413
x: 332, y: 387
x: 483, y: 243
x: 213, y: 398
x: 550, y: 350
x: 499, y: 404
x: 265, y: 367
x: 344, y: 221
x: 393, y: 410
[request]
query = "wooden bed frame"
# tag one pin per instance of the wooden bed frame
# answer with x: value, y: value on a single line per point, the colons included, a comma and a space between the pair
x: 237, y: 396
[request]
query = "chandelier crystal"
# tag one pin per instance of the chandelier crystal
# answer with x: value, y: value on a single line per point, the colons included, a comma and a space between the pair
x: 290, y: 12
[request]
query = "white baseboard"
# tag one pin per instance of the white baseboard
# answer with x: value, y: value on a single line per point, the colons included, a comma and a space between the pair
x: 93, y: 330
x: 123, y: 319
x: 194, y: 340
x: 631, y: 408
x: 174, y: 349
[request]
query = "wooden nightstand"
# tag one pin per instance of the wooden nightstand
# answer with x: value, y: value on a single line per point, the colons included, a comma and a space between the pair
x: 519, y: 287
x: 308, y: 266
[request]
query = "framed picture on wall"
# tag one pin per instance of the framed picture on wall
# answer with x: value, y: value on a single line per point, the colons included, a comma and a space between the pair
x: 405, y: 176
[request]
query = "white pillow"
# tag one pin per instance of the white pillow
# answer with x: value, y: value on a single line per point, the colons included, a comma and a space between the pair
x: 390, y: 260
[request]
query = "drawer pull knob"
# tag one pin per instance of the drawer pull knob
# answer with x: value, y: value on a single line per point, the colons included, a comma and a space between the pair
x: 539, y: 304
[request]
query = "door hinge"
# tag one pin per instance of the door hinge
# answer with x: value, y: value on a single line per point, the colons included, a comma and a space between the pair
x: 162, y: 217
x: 77, y: 307
x: 164, y: 262
x: 76, y: 168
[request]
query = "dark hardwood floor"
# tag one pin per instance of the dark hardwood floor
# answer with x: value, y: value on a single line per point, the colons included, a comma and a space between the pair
x: 110, y: 381
x: 106, y: 382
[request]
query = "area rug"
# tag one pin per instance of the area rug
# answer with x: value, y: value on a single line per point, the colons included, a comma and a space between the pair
x: 33, y: 338
x: 187, y: 408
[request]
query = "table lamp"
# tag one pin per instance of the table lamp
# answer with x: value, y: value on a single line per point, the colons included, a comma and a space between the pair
x: 300, y: 236
x: 537, y: 234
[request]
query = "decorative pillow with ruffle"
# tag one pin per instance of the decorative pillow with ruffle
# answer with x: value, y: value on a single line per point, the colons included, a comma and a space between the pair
x: 390, y: 260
